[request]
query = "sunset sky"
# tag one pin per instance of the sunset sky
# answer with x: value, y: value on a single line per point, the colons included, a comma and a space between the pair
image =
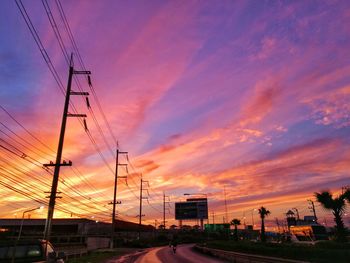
x: 253, y: 96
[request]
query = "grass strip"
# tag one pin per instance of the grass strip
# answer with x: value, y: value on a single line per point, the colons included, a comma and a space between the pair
x: 102, y: 256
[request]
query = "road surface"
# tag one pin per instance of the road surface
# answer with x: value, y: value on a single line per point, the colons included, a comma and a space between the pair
x: 184, y: 254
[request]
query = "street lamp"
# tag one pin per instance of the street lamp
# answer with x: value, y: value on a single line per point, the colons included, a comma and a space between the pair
x: 253, y: 210
x: 252, y: 215
x: 27, y: 211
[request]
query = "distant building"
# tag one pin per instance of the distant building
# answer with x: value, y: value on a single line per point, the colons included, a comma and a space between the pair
x: 70, y: 226
x: 85, y: 233
x: 293, y: 221
x: 310, y: 219
x: 248, y: 227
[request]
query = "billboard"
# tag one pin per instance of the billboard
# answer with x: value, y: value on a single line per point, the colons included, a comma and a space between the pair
x: 193, y: 208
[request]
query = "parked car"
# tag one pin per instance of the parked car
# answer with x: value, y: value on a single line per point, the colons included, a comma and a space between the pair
x: 29, y: 251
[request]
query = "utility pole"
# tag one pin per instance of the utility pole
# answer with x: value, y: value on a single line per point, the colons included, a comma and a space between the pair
x: 312, y: 207
x: 140, y: 214
x: 58, y: 164
x: 164, y: 196
x: 117, y: 164
x: 141, y: 198
x: 244, y: 220
x: 226, y: 215
x: 164, y: 209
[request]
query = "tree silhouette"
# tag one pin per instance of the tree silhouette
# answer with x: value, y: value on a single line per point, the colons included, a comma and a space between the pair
x: 235, y: 222
x: 337, y: 206
x: 263, y: 213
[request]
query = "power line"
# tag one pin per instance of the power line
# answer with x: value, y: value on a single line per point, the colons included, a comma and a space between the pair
x: 68, y: 29
x: 50, y: 65
x: 62, y: 46
x: 22, y: 155
x: 75, y: 170
x: 31, y: 134
x: 62, y: 181
x: 39, y: 44
x: 65, y: 54
x: 23, y: 141
x: 31, y: 197
x: 55, y: 74
x: 46, y: 58
x: 29, y: 187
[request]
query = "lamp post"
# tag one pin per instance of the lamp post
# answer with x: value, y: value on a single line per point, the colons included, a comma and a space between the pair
x: 20, y: 231
x: 27, y: 211
x: 253, y: 210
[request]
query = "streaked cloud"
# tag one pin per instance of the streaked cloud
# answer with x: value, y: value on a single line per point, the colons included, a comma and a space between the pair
x: 251, y: 96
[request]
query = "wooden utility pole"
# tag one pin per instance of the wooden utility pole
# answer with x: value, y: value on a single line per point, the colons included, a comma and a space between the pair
x: 141, y: 198
x: 115, y: 194
x: 164, y: 210
x: 140, y: 212
x: 58, y: 164
x: 226, y: 214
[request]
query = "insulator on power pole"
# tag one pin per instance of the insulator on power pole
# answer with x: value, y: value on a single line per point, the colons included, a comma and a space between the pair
x: 87, y: 102
x: 89, y: 81
x: 85, y: 125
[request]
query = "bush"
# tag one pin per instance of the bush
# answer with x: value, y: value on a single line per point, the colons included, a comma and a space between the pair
x: 332, y: 245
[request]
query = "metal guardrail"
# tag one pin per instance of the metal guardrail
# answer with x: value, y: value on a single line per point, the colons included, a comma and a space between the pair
x: 242, y: 257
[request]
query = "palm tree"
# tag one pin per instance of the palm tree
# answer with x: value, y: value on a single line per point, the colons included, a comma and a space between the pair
x: 235, y: 222
x: 263, y: 213
x: 337, y: 206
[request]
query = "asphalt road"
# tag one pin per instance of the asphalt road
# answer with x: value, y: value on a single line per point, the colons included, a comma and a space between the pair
x: 184, y: 254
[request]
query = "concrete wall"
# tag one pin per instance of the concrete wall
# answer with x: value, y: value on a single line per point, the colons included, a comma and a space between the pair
x: 93, y: 243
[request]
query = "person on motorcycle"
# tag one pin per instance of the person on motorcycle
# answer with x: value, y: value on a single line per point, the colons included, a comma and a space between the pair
x: 174, y: 243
